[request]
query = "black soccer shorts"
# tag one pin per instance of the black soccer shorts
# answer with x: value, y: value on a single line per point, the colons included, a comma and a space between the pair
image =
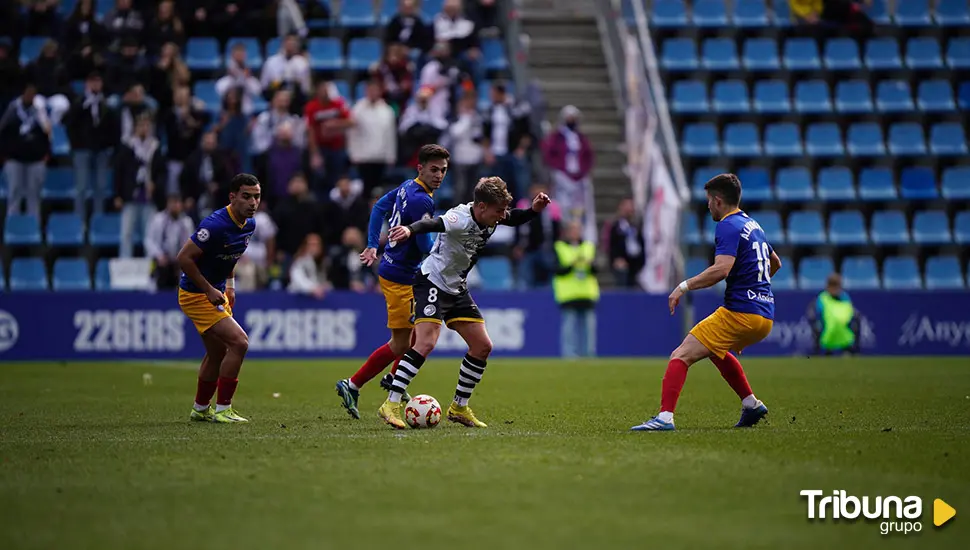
x: 433, y: 305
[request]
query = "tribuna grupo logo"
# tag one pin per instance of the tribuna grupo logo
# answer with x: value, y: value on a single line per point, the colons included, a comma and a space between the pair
x: 895, y: 514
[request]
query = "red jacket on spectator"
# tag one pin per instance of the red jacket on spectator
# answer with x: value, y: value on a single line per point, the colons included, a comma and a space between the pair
x: 317, y: 112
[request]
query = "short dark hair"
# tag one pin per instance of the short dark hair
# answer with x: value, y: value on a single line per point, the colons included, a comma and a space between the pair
x: 492, y: 190
x: 432, y: 152
x: 726, y: 186
x: 240, y: 180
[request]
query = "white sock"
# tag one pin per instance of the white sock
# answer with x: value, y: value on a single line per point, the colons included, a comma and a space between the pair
x: 352, y: 385
x: 461, y: 401
x: 749, y: 402
x: 199, y: 407
x: 666, y: 416
x: 220, y: 408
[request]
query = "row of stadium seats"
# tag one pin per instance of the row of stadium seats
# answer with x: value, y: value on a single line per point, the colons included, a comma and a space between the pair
x: 731, y: 96
x: 848, y: 228
x: 65, y: 230
x: 802, y: 54
x: 862, y: 273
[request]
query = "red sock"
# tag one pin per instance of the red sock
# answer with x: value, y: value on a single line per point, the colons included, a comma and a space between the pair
x: 375, y: 364
x: 396, y: 363
x: 732, y: 372
x: 204, y: 392
x: 227, y: 387
x: 673, y: 383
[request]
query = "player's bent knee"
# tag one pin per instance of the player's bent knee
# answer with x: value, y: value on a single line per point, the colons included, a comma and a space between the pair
x: 481, y: 349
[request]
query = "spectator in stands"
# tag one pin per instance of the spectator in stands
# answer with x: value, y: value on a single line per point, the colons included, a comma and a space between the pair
x: 184, y: 125
x: 284, y: 159
x: 122, y: 22
x: 288, y: 70
x: 242, y: 18
x: 440, y: 74
x: 838, y: 14
x: 419, y: 126
x: 506, y: 139
x: 133, y: 105
x: 204, y: 177
x: 233, y: 128
x: 25, y: 144
x: 259, y: 259
x: 264, y: 130
x: 344, y: 208
x: 533, y: 252
x: 307, y: 273
x: 50, y: 76
x: 328, y: 118
x: 345, y: 269
x: 195, y: 15
x: 297, y: 215
x: 577, y: 292
x: 461, y: 34
x: 83, y: 41
x: 372, y: 140
x: 11, y: 75
x: 93, y: 133
x: 464, y: 142
x: 139, y: 166
x: 290, y: 18
x: 240, y: 77
x: 168, y: 73
x: 407, y: 27
x: 626, y: 245
x: 42, y: 18
x: 165, y: 27
x: 835, y: 321
x: 484, y: 13
x: 126, y: 70
x: 568, y: 153
x: 396, y: 73
x: 11, y: 23
x: 167, y: 232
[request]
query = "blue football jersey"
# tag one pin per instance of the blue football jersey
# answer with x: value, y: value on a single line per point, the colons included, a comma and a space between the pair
x: 223, y: 241
x: 749, y: 283
x: 412, y: 202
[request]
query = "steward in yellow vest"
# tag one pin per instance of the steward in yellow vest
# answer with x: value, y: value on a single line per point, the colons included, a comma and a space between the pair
x: 835, y: 323
x: 577, y: 291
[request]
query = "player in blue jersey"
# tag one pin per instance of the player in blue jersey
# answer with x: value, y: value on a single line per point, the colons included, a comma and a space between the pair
x: 412, y: 201
x: 744, y: 258
x: 207, y: 295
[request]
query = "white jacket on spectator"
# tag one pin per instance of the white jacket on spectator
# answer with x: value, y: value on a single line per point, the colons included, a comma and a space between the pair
x: 373, y: 138
x: 165, y: 235
x: 306, y: 276
x: 280, y: 69
x: 434, y: 76
x: 236, y: 78
x: 265, y: 129
x: 414, y: 114
x: 462, y: 139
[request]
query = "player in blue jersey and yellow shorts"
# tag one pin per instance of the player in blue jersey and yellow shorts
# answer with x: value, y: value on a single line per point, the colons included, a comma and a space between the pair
x: 207, y: 294
x: 746, y: 262
x: 412, y: 201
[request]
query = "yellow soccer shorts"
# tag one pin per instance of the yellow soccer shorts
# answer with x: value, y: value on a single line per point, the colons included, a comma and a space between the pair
x: 400, y: 303
x: 200, y: 311
x: 724, y: 331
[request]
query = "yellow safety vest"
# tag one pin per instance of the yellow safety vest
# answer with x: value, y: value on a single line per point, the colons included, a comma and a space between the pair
x: 580, y: 283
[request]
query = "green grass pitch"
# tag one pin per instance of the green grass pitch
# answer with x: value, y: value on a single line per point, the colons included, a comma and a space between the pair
x: 93, y: 457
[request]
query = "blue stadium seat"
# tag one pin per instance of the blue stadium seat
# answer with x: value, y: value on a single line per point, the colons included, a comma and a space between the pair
x: 102, y: 275
x: 360, y: 90
x: 493, y: 54
x: 326, y: 54
x: 847, y: 228
x: 689, y: 96
x: 254, y: 51
x: 782, y: 13
x: 202, y: 54
x: 700, y: 140
x: 343, y: 88
x: 274, y: 45
x: 771, y: 97
x: 755, y: 184
x: 105, y: 230
x: 731, y: 96
x: 60, y: 144
x: 906, y: 138
x: 206, y: 91
x: 913, y: 13
x: 750, y: 14
x: 430, y: 8
x: 770, y: 222
x: 878, y: 12
x: 952, y: 13
x: 707, y: 231
x: 669, y: 14
x: 760, y: 54
x: 876, y: 184
x: 961, y: 227
x: 936, y: 96
x: 948, y: 139
x: 785, y: 278
x: 496, y: 272
x: 102, y: 7
x: 71, y: 274
x: 720, y: 54
x: 741, y: 140
x: 801, y: 54
x: 853, y: 96
x: 679, y: 54
x: 702, y: 175
x: 824, y: 139
x: 813, y: 271
x: 893, y: 96
x: 30, y: 48
x: 931, y: 227
x: 901, y: 273
x: 865, y: 140
x: 963, y: 96
x: 21, y: 230
x: 364, y: 52
x: 883, y: 54
x: 836, y: 184
x: 357, y: 14
x: 860, y: 273
x: 812, y: 96
x: 59, y: 184
x: 842, y: 54
x: 923, y: 53
x: 944, y: 273
x: 28, y: 274
x: 65, y: 230
x: 695, y: 265
x: 389, y: 10
x: 783, y: 139
x: 710, y: 14
x: 794, y: 184
x: 956, y: 183
x: 917, y: 183
x: 690, y: 229
x: 958, y: 53
x: 889, y: 227
x: 805, y: 228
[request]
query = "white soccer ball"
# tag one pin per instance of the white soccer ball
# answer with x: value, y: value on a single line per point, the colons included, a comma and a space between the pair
x: 422, y: 411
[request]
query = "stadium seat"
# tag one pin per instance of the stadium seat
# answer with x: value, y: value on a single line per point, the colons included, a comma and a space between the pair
x: 824, y: 139
x: 30, y: 48
x: 205, y: 90
x: 836, y: 184
x: 202, y: 54
x: 865, y: 140
x: 105, y: 230
x: 709, y: 14
x: 28, y: 274
x: 679, y: 54
x: 357, y: 14
x: 893, y: 96
x: 719, y: 54
x: 364, y: 52
x: 60, y: 144
x: 741, y: 140
x: 771, y: 97
x: 963, y: 96
x: 21, y: 230
x: 913, y: 13
x: 923, y: 54
x: 496, y: 273
x: 430, y: 8
x: 952, y: 13
x: 907, y: 139
x: 958, y: 53
x: 731, y: 96
x: 847, y: 228
x: 71, y: 274
x: 360, y: 90
x: 59, y: 184
x: 961, y: 227
x: 812, y: 96
x: 936, y: 96
x: 65, y: 230
x: 690, y: 230
x: 956, y: 183
x: 702, y: 175
x: 901, y: 273
x: 761, y: 54
x: 700, y: 140
x: 853, y: 96
x: 805, y: 228
x: 883, y: 54
x: 876, y: 184
x: 782, y: 13
x: 783, y: 140
x: 689, y: 96
x: 931, y: 227
x: 813, y: 272
x: 944, y: 273
x: 254, y: 51
x: 860, y: 273
x: 785, y: 278
x: 493, y: 54
x: 670, y: 14
x: 878, y: 12
x: 917, y: 184
x: 326, y: 54
x: 695, y: 265
x: 707, y: 229
x: 842, y: 54
x: 801, y: 54
x: 755, y: 184
x: 889, y: 228
x: 389, y: 10
x: 102, y: 275
x: 343, y: 88
x: 793, y: 184
x: 948, y: 139
x: 770, y: 222
x: 274, y: 45
x: 750, y: 13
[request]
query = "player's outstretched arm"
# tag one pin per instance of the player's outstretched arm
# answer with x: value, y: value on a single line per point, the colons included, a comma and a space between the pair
x: 378, y: 215
x: 522, y: 216
x: 428, y: 225
x: 707, y: 278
